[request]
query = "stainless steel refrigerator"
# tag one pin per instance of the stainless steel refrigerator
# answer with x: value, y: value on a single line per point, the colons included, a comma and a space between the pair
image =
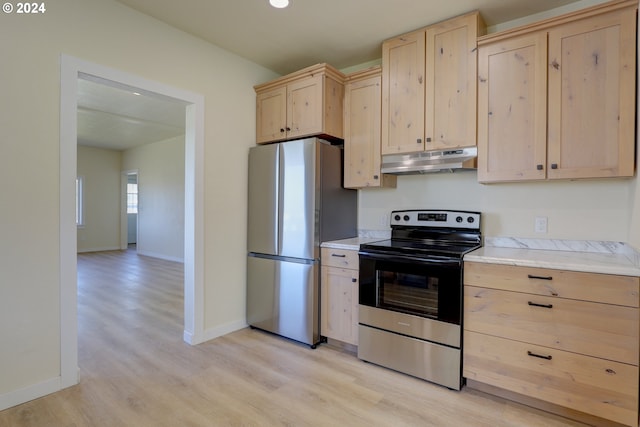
x: 296, y: 201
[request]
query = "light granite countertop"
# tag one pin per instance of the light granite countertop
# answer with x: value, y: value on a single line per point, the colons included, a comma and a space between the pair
x: 585, y: 256
x: 575, y: 255
x: 352, y: 244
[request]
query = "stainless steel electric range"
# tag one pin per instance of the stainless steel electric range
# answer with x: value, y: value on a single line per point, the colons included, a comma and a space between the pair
x: 410, y: 303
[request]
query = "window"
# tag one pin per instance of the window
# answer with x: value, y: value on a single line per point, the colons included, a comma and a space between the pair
x: 132, y: 198
x: 79, y: 201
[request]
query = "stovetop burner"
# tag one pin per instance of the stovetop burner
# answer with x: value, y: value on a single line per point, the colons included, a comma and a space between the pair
x: 430, y: 233
x: 421, y: 248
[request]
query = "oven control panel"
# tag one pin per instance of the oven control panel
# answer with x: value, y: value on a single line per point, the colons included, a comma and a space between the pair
x: 436, y: 218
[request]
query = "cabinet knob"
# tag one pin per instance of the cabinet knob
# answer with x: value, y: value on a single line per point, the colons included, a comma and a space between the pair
x: 281, y: 130
x: 354, y: 280
x: 539, y: 167
x: 288, y: 129
x: 375, y: 176
x: 554, y: 166
x: 428, y: 139
x: 419, y: 140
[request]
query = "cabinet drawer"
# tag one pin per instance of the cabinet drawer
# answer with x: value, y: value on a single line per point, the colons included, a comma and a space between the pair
x: 605, y: 288
x: 594, y: 386
x: 342, y: 258
x: 600, y: 330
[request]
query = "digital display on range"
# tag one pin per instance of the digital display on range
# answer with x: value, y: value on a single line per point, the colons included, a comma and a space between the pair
x: 432, y: 217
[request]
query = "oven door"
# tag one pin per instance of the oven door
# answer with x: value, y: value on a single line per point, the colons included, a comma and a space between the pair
x: 429, y: 288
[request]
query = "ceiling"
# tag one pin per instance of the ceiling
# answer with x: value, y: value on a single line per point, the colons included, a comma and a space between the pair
x: 343, y: 33
x: 117, y: 117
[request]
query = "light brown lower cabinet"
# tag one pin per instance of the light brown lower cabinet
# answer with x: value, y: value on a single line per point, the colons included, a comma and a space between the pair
x: 555, y: 339
x: 339, y: 295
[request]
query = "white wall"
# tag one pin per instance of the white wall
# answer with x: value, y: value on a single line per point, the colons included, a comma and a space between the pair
x: 100, y: 170
x: 576, y: 210
x: 160, y: 169
x: 109, y: 34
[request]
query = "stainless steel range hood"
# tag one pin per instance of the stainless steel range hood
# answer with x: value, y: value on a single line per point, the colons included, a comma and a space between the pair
x: 430, y: 161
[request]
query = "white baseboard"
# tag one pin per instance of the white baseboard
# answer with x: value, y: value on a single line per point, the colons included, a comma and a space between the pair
x: 188, y: 337
x: 28, y: 393
x: 219, y: 331
x: 214, y: 333
x: 103, y: 249
x: 159, y: 255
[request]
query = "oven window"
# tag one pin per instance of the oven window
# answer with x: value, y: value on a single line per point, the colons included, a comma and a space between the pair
x: 420, y: 288
x: 408, y: 293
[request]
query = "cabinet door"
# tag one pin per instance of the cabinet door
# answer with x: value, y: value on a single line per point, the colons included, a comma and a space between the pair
x: 592, y: 97
x: 271, y: 115
x: 451, y: 66
x: 512, y: 107
x: 403, y: 62
x: 362, y: 105
x: 339, y: 304
x: 305, y: 107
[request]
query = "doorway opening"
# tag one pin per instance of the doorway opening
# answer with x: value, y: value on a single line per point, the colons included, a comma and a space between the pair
x: 73, y: 69
x: 132, y: 209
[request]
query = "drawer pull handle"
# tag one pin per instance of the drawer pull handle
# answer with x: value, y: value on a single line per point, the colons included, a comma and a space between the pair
x: 339, y: 255
x: 540, y: 356
x: 535, y: 304
x: 610, y: 371
x: 531, y: 276
x: 354, y: 280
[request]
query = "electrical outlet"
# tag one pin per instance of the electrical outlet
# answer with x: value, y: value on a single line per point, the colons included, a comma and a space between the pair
x: 541, y: 224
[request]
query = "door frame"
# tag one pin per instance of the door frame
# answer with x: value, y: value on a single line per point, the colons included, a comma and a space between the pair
x: 71, y: 69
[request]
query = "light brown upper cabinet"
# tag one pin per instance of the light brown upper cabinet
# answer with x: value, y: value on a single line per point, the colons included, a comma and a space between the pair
x: 362, y: 115
x: 307, y: 102
x: 429, y: 87
x: 556, y: 99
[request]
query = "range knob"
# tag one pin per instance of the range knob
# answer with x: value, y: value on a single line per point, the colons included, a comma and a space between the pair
x: 406, y: 218
x: 470, y: 220
x: 397, y: 217
x: 458, y: 219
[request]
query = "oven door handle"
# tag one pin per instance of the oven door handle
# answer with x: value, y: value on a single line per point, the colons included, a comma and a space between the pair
x: 436, y: 261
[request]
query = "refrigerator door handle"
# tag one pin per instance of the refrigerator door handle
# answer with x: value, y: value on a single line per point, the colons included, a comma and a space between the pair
x: 279, y: 198
x: 278, y: 205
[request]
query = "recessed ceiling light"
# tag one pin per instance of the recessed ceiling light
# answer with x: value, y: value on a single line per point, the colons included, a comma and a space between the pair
x: 279, y: 3
x: 136, y: 93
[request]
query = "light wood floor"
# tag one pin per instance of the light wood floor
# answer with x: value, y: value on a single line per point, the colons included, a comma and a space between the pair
x: 136, y: 371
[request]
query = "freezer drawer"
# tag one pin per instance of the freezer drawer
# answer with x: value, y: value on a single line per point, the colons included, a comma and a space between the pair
x: 282, y: 297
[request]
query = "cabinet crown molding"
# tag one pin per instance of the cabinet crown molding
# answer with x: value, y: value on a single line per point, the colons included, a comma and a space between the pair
x: 310, y: 71
x: 558, y: 20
